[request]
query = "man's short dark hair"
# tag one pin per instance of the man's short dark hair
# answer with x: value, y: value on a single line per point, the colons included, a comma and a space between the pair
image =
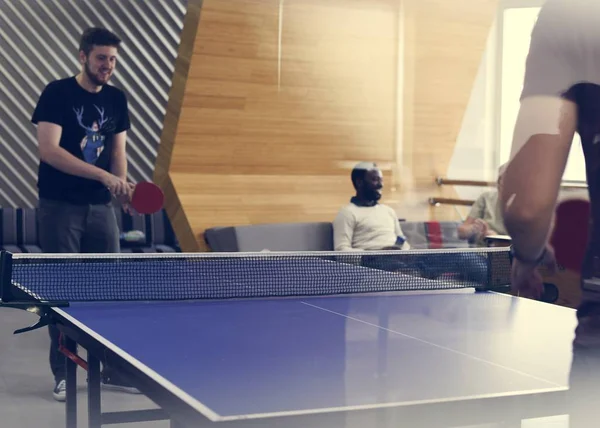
x: 360, y: 170
x: 97, y: 37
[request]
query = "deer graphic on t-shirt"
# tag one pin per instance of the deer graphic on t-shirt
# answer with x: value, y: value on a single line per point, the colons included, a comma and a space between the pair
x: 93, y: 142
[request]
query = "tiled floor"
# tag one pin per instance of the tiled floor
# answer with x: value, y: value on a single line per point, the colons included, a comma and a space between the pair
x: 26, y: 384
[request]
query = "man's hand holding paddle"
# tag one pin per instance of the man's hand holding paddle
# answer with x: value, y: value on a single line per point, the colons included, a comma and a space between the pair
x: 142, y: 198
x: 117, y: 186
x: 125, y: 200
x: 120, y: 189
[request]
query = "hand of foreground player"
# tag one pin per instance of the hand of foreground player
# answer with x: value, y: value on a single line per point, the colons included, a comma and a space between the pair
x: 526, y: 280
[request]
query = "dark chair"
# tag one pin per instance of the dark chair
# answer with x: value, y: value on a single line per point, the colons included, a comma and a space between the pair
x: 9, y: 237
x: 317, y: 236
x: 28, y: 230
x: 162, y: 238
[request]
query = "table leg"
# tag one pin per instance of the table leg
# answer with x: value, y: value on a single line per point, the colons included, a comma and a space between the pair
x: 94, y: 397
x: 71, y: 379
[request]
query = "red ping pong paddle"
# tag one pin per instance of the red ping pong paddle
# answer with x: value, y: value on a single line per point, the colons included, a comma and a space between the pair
x: 147, y: 198
x: 570, y: 235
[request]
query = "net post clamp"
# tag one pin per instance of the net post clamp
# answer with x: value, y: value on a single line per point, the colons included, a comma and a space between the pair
x: 39, y: 308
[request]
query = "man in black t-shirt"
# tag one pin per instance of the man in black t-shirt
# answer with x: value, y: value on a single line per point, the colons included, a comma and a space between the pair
x: 82, y: 128
x: 561, y: 96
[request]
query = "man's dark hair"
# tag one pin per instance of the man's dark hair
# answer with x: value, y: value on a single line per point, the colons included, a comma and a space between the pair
x: 97, y: 37
x: 360, y: 170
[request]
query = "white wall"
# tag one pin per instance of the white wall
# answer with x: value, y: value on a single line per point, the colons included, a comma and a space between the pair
x: 485, y: 138
x: 475, y: 156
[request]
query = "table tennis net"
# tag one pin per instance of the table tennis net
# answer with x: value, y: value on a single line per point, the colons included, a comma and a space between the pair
x: 125, y: 277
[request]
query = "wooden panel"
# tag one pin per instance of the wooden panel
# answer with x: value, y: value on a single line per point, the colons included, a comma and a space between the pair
x: 277, y: 104
x: 273, y: 102
x: 173, y: 207
x: 444, y: 43
x: 252, y: 111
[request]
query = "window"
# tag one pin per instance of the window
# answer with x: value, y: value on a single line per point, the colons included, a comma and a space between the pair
x: 516, y: 27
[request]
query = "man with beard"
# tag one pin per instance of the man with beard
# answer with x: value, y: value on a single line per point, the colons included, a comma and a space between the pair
x: 82, y: 128
x: 365, y: 224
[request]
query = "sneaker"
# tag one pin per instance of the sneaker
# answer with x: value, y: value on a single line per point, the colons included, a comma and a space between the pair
x: 60, y: 391
x: 114, y: 384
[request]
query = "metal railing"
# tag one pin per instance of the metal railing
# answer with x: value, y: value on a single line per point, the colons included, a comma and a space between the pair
x: 435, y: 201
x: 441, y: 181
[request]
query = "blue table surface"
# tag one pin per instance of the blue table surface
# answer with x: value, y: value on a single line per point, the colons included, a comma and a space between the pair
x: 248, y: 357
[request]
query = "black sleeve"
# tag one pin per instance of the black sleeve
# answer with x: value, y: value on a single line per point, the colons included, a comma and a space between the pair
x: 123, y: 123
x: 50, y: 106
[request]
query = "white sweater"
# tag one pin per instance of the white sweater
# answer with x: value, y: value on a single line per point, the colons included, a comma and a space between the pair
x: 358, y: 228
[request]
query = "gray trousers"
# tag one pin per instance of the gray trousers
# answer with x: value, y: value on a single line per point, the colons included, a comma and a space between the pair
x: 68, y: 228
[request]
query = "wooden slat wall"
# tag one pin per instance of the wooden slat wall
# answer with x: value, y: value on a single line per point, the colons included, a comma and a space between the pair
x: 271, y: 107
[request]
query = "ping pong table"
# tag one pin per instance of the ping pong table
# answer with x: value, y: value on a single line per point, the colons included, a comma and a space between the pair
x: 297, y: 340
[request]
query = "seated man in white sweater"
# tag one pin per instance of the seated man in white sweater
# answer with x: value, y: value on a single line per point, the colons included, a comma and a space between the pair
x: 365, y: 224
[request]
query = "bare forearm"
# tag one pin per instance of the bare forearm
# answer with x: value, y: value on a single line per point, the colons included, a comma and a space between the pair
x: 64, y: 161
x: 531, y: 183
x: 527, y: 209
x: 119, y: 167
x: 118, y: 164
x: 528, y: 238
x: 528, y: 197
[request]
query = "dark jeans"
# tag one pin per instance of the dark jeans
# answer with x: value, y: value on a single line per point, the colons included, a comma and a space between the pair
x: 68, y: 228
